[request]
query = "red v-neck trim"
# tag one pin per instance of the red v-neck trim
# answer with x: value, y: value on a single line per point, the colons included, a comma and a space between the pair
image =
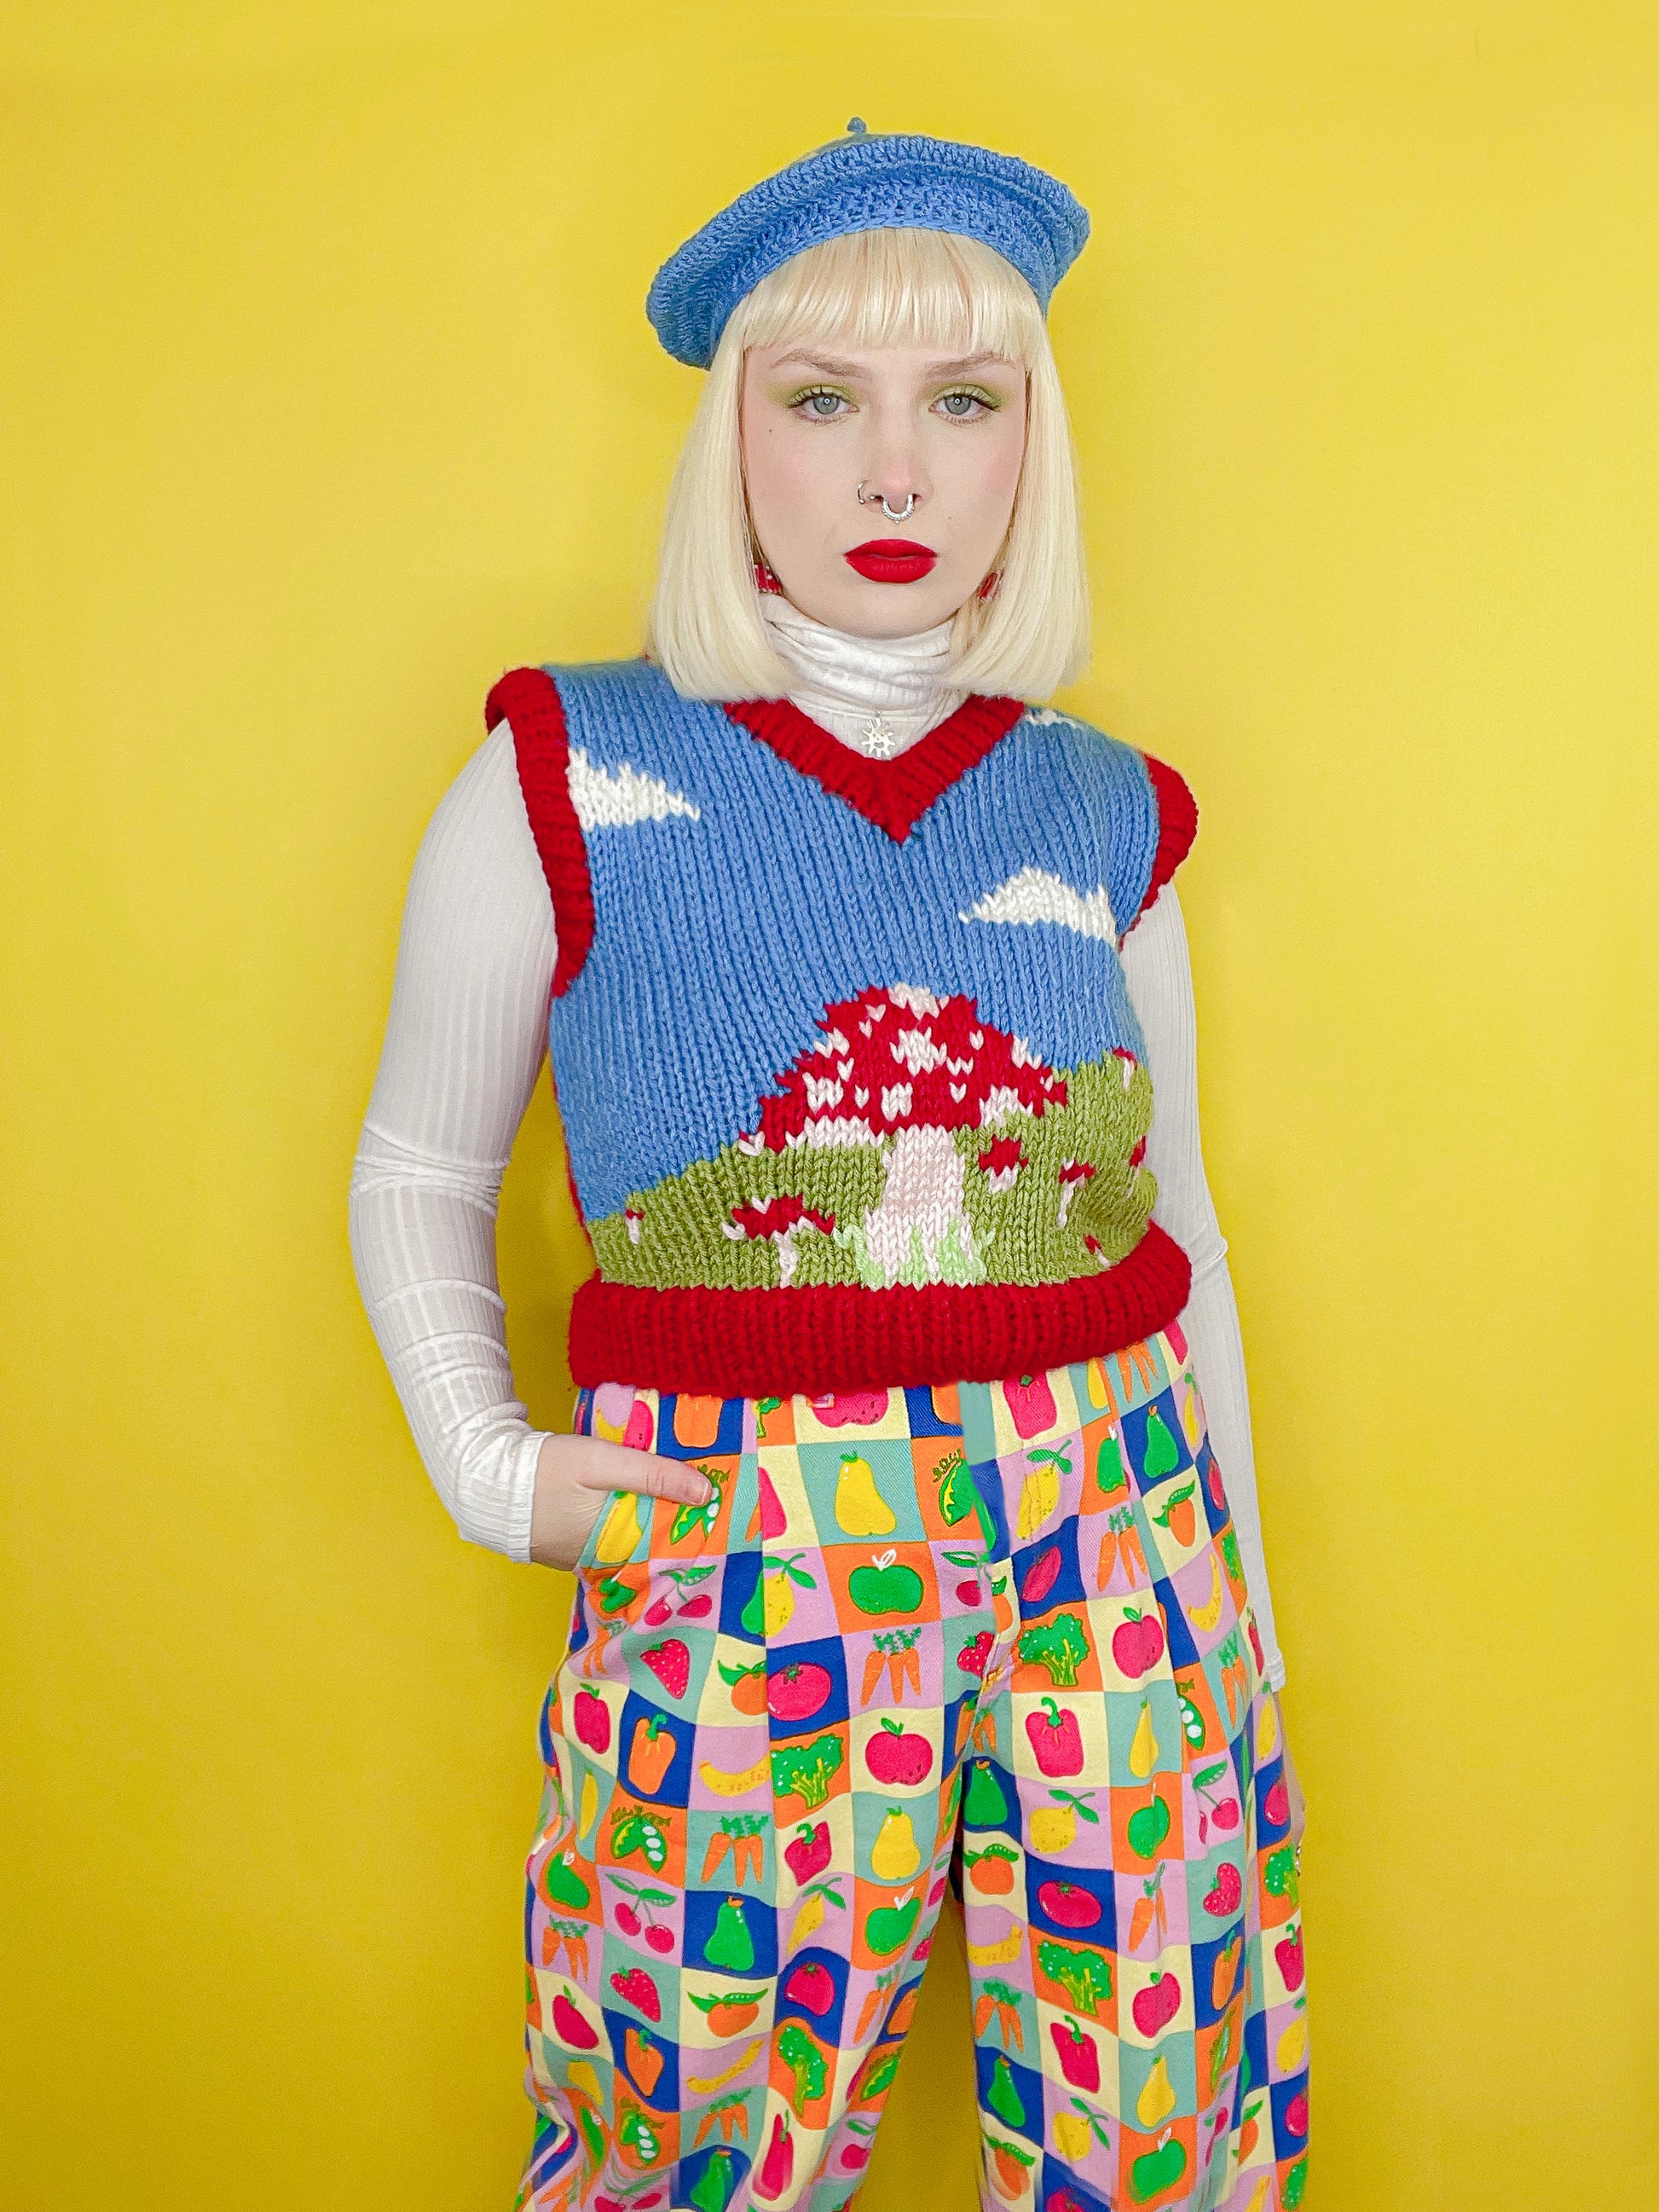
x: 894, y: 794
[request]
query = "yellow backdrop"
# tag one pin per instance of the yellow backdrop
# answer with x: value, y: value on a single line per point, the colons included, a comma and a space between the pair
x: 330, y: 395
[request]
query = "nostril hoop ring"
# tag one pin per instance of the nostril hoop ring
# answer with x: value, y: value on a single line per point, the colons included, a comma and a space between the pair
x: 893, y: 514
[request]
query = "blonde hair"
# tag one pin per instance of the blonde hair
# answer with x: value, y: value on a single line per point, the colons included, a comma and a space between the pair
x: 908, y: 287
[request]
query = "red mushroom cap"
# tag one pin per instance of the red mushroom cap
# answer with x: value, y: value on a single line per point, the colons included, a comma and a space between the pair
x: 902, y: 1058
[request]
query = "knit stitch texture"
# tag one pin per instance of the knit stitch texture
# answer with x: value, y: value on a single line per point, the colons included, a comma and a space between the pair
x: 876, y: 182
x: 851, y: 1088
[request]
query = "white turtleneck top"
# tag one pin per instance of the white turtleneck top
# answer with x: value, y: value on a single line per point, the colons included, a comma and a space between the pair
x: 464, y: 1044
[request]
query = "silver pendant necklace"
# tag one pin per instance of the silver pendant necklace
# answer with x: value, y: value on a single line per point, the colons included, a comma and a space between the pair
x: 878, y: 738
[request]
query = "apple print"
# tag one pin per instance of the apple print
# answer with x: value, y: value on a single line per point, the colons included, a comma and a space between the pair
x: 885, y: 1585
x: 1296, y: 2114
x: 888, y: 1927
x: 1155, y: 2171
x: 1276, y: 1806
x: 894, y: 1755
x: 1290, y: 1963
x: 570, y: 2026
x: 1158, y: 2002
x: 1138, y: 1644
x: 593, y: 1720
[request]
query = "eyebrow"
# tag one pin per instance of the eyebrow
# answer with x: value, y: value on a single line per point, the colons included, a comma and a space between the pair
x: 830, y: 365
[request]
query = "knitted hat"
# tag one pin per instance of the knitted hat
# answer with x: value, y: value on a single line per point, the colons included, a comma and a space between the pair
x: 865, y: 181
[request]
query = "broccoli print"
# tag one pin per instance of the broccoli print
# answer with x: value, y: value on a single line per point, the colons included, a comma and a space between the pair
x: 1084, y: 1975
x: 805, y: 2062
x: 804, y: 1770
x: 1060, y: 1645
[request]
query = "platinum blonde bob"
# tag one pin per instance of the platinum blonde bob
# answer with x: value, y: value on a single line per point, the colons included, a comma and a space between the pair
x: 875, y: 288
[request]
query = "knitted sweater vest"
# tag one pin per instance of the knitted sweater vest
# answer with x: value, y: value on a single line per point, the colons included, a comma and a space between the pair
x: 852, y: 1092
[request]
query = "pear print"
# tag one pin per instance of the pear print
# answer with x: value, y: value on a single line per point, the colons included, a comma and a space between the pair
x: 731, y: 1945
x: 860, y: 1508
x: 895, y: 1855
x: 1162, y: 1454
x: 1158, y: 2099
x: 717, y: 2185
x: 1143, y: 1752
x: 1003, y: 2097
x: 985, y: 1804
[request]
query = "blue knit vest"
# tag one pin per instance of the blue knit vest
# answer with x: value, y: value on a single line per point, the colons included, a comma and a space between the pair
x: 852, y: 1089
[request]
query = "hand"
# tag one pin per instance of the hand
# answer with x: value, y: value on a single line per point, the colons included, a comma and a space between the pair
x: 574, y: 1476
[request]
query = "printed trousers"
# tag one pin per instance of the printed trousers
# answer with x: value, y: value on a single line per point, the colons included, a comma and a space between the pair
x: 997, y: 1633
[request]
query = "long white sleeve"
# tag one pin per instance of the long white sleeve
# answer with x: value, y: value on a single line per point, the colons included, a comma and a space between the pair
x: 465, y: 1042
x: 1158, y: 969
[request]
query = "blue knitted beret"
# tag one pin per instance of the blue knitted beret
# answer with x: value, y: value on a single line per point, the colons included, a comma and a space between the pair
x: 866, y: 181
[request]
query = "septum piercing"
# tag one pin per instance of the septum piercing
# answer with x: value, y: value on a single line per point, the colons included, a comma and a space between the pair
x: 893, y: 514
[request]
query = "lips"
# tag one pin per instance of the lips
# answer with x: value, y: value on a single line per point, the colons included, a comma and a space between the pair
x: 891, y: 560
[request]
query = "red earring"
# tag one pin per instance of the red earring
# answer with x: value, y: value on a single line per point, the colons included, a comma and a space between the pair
x: 987, y: 590
x: 765, y: 581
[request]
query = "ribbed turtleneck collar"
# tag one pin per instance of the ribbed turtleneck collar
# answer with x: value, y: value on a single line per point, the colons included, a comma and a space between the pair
x: 846, y: 684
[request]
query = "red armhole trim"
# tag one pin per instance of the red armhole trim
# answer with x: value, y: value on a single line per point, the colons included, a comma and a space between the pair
x: 529, y: 700
x: 1177, y: 826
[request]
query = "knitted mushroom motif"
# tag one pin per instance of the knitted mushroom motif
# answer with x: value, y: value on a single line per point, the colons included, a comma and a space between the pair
x: 780, y: 1218
x: 905, y: 1070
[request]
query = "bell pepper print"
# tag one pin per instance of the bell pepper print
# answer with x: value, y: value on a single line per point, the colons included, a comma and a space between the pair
x: 1006, y: 1623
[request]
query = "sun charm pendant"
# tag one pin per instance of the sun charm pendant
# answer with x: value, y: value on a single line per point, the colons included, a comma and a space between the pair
x: 877, y: 739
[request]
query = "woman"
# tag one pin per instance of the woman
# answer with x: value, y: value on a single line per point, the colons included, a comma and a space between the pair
x: 902, y: 1552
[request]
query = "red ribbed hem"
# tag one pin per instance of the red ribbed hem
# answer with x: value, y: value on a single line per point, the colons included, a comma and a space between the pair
x: 528, y: 700
x: 1177, y: 826
x: 776, y: 1344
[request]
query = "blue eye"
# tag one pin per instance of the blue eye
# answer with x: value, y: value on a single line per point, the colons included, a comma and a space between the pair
x: 823, y: 405
x: 961, y: 407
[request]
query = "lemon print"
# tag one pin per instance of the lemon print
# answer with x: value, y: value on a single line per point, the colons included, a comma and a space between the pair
x: 1072, y: 2137
x: 1054, y: 1828
x: 1267, y: 1733
x: 1293, y: 2047
x: 590, y: 1805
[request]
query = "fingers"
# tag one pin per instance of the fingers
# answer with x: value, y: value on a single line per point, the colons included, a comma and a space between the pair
x: 613, y: 1466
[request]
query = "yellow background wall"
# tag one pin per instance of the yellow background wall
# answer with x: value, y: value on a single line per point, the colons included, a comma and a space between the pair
x: 329, y: 395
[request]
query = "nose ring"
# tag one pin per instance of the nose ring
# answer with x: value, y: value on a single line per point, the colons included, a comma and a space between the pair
x: 893, y: 514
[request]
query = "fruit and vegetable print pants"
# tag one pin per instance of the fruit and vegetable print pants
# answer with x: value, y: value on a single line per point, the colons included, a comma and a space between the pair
x: 998, y: 1632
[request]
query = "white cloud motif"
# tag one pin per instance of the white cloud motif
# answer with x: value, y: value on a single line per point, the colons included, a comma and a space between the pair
x: 1034, y: 894
x: 612, y: 798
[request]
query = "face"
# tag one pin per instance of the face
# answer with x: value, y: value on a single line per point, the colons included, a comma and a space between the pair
x: 901, y: 421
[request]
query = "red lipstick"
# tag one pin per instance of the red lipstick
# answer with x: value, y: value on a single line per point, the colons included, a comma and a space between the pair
x: 891, y: 560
